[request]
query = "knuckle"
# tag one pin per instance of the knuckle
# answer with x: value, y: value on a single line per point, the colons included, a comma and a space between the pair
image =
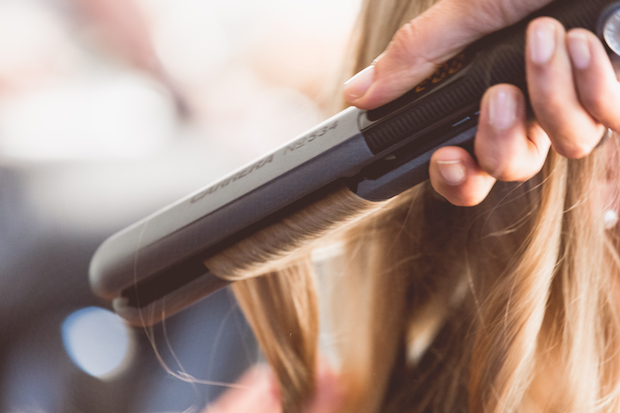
x: 504, y: 11
x: 494, y: 164
x: 456, y: 195
x: 574, y: 149
x: 463, y: 199
x: 516, y: 166
x: 518, y: 172
x: 400, y: 45
x: 492, y: 14
x: 596, y: 103
x: 602, y: 107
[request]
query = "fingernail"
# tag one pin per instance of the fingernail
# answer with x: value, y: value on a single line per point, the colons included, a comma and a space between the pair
x: 542, y: 41
x: 579, y: 50
x: 502, y: 109
x: 452, y: 172
x: 359, y: 84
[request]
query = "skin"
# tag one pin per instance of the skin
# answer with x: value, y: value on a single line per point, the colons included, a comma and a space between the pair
x: 573, y: 88
x: 574, y: 94
x: 258, y: 392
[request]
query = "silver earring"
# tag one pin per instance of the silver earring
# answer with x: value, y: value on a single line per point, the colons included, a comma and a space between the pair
x: 610, y: 218
x: 606, y: 135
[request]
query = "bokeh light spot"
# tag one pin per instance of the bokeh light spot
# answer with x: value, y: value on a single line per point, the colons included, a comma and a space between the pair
x: 97, y: 341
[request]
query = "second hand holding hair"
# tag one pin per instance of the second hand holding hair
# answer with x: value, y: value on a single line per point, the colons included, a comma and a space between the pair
x: 572, y: 87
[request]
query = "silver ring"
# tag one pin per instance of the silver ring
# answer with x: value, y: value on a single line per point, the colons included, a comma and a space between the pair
x: 609, y: 27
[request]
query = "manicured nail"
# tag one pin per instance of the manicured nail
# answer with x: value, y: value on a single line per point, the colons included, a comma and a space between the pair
x: 358, y: 85
x: 452, y: 172
x: 542, y: 42
x: 579, y: 50
x: 502, y: 109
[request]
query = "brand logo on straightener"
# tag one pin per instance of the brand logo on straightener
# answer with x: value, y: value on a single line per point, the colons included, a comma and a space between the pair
x: 305, y: 140
x: 309, y: 138
x: 233, y: 178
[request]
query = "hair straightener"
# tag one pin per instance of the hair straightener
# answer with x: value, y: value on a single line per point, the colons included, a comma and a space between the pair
x: 156, y: 267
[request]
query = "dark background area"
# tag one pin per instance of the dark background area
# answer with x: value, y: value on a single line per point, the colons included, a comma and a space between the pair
x: 44, y: 271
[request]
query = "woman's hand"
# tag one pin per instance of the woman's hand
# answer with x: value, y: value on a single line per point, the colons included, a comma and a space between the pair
x: 257, y: 392
x: 573, y: 90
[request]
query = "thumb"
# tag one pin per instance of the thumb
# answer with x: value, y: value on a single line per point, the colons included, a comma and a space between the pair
x: 429, y: 40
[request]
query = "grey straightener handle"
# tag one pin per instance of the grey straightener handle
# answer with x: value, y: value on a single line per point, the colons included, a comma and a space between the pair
x: 158, y: 263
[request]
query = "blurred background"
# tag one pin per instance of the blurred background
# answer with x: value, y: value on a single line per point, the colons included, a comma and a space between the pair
x: 109, y: 110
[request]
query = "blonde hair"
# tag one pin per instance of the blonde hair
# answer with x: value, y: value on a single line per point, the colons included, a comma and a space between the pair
x: 509, y: 306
